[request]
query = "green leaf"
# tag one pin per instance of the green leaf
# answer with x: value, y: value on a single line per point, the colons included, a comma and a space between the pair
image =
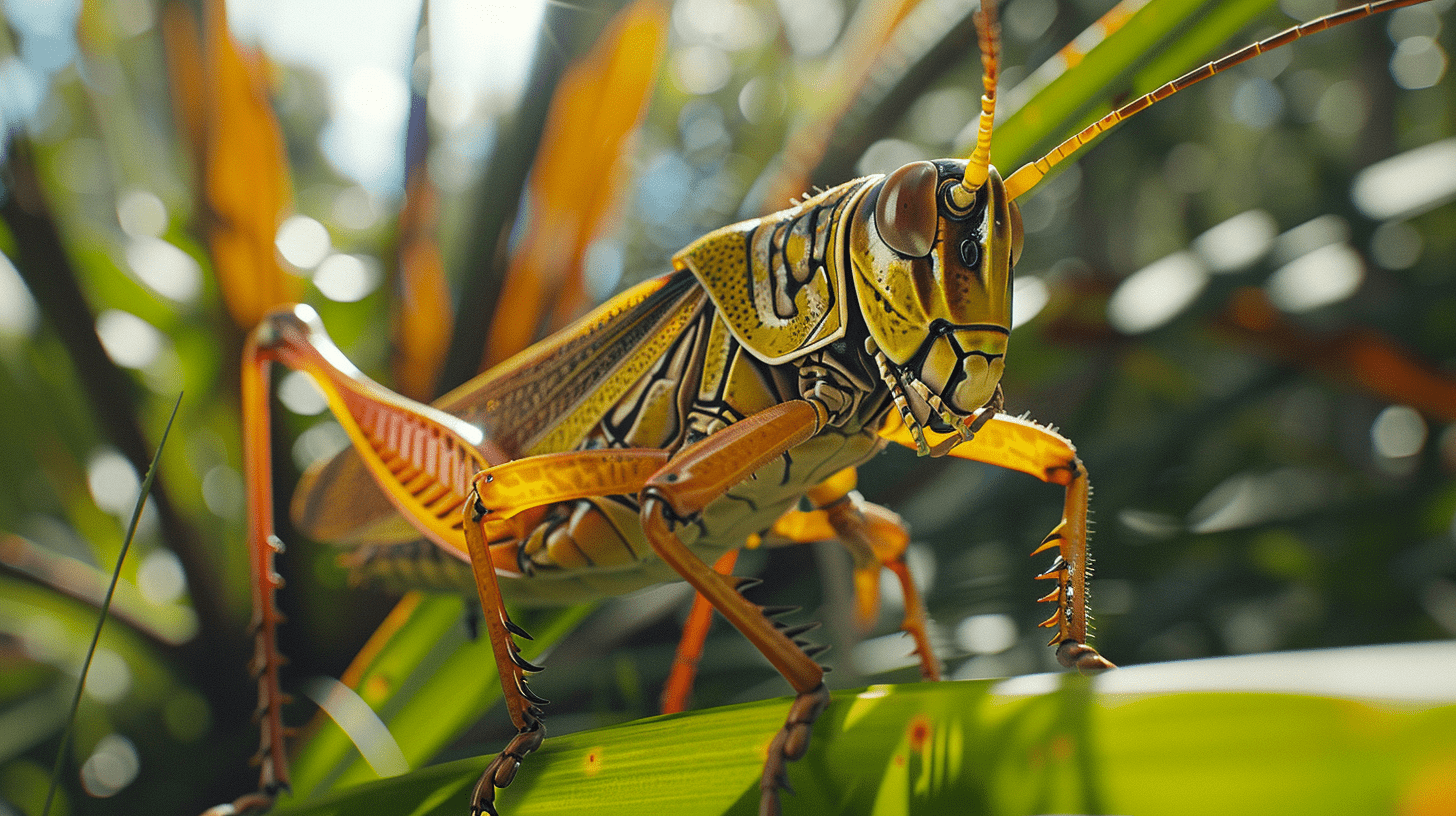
x: 1116, y: 745
x: 959, y: 747
x: 429, y: 681
x: 1170, y: 37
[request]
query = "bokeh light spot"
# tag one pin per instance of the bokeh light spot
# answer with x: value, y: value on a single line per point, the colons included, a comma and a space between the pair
x: 1029, y: 296
x: 160, y: 578
x: 986, y: 634
x: 319, y: 442
x: 1318, y: 278
x: 222, y: 492
x: 1396, y: 245
x: 299, y: 394
x: 112, y: 481
x: 1238, y: 242
x: 303, y: 241
x: 1418, y: 62
x: 1407, y: 184
x: 112, y: 766
x: 129, y: 341
x: 141, y: 214
x: 1398, y: 432
x: 164, y: 268
x: 701, y: 69
x: 347, y: 278
x: 109, y: 679
x: 19, y: 316
x: 1157, y: 293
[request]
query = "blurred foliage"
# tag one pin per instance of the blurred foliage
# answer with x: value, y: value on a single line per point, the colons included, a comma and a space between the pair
x: 1247, y: 495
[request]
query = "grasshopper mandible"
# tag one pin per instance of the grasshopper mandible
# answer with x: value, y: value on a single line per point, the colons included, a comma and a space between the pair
x: 698, y: 409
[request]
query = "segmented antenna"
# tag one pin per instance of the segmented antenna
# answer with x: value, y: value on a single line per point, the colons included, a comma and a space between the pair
x: 1029, y: 175
x: 988, y: 32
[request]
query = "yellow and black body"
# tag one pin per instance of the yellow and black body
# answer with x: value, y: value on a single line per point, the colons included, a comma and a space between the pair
x: 691, y: 416
x: 808, y: 303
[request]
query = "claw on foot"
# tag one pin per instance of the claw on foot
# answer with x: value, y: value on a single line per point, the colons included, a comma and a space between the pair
x: 502, y: 770
x: 789, y: 744
x: 1083, y: 658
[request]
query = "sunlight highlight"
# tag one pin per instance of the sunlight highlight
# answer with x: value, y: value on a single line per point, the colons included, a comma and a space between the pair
x: 19, y: 316
x: 364, y: 728
x: 130, y: 341
x: 1407, y: 184
x: 1318, y: 278
x: 1157, y: 293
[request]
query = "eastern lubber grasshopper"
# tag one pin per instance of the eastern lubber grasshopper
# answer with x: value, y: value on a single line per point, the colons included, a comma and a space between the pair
x: 696, y: 410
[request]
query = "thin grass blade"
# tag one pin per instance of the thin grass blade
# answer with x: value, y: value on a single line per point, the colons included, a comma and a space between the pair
x: 131, y: 529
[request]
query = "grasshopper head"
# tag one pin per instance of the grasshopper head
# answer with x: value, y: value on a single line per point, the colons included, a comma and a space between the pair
x: 931, y: 261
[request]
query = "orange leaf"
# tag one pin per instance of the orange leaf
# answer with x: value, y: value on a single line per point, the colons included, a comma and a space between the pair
x: 245, y: 176
x: 576, y: 185
x: 423, y: 319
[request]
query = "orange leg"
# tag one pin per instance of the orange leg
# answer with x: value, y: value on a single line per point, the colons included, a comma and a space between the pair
x: 690, y: 649
x: 522, y: 704
x: 263, y: 546
x: 421, y: 457
x: 877, y: 538
x: 676, y: 495
x: 1020, y: 444
x: 677, y: 491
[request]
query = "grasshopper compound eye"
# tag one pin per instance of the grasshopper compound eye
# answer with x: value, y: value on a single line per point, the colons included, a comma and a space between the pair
x: 905, y: 213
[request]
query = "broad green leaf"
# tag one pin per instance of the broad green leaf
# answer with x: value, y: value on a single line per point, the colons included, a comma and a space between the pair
x: 958, y: 747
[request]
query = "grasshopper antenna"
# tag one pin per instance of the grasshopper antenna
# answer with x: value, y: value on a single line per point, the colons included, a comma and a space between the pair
x: 988, y: 32
x: 1030, y: 174
x: 131, y: 529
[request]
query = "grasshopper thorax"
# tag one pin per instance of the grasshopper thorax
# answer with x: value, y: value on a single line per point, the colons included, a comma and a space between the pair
x: 932, y: 263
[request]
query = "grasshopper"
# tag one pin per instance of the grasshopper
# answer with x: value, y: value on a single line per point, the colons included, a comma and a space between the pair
x: 696, y: 411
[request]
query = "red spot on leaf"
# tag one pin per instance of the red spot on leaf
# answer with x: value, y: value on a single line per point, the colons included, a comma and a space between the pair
x: 919, y: 733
